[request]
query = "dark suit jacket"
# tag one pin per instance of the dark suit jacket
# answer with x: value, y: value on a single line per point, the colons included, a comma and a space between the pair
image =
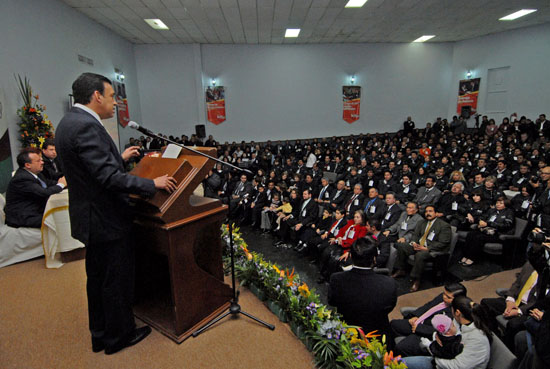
x: 518, y: 284
x: 26, y: 199
x: 356, y: 204
x: 389, y: 217
x: 98, y: 198
x: 50, y: 171
x: 308, y: 216
x: 442, y: 238
x: 375, y: 210
x: 426, y: 329
x: 364, y: 298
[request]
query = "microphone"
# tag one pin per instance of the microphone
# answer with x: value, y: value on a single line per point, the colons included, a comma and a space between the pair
x: 143, y: 130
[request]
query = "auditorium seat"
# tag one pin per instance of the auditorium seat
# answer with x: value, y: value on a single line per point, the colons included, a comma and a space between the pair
x: 17, y: 244
x: 496, y: 248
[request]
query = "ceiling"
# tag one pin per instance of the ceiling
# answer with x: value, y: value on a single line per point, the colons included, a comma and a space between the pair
x: 321, y: 21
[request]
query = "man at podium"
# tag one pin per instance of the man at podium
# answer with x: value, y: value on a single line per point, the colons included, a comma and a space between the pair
x: 100, y: 213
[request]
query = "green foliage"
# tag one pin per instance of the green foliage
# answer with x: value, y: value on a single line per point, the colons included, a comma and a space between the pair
x: 335, y: 344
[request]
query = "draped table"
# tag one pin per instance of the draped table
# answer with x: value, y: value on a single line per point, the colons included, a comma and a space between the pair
x: 56, y: 230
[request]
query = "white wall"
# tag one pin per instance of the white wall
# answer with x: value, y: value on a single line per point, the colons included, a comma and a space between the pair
x: 526, y: 51
x: 293, y: 91
x: 41, y: 39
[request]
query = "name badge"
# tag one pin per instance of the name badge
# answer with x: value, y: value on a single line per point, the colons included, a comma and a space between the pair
x: 347, y: 183
x: 388, y: 216
x: 521, y: 180
x: 356, y: 202
x: 372, y: 209
x: 525, y: 204
x: 404, y: 226
x: 406, y: 190
x: 304, y: 213
x: 454, y: 206
x: 431, y: 236
x: 326, y: 195
x: 351, y: 233
x: 539, y: 221
x: 499, y: 175
x: 371, y: 182
x: 493, y: 218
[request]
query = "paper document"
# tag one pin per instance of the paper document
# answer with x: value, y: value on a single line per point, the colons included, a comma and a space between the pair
x: 172, y: 152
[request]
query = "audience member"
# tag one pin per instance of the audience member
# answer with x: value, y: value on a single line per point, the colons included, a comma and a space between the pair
x: 52, y: 167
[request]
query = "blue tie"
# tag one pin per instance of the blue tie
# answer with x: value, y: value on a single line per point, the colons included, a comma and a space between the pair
x: 42, y: 183
x: 369, y: 204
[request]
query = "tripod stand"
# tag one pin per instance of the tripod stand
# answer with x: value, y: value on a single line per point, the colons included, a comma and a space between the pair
x: 234, y: 309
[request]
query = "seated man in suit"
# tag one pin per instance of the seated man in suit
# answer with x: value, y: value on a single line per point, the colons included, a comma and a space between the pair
x: 430, y: 235
x: 403, y: 229
x: 392, y: 211
x: 338, y: 196
x: 363, y: 297
x: 242, y: 191
x: 515, y: 307
x: 52, y: 169
x: 28, y: 191
x: 427, y: 195
x: 417, y: 324
x: 355, y: 200
x: 306, y: 216
x: 374, y: 206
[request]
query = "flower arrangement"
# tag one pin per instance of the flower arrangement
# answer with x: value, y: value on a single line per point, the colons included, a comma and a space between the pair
x: 34, y: 127
x: 333, y: 343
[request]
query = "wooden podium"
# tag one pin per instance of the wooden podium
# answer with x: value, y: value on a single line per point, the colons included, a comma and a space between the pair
x: 179, y: 271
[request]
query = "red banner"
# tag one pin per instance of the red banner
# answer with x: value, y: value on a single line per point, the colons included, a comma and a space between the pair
x: 352, y: 102
x: 215, y: 104
x: 468, y: 91
x: 123, y: 113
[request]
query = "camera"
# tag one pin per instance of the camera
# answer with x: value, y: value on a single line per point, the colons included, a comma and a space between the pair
x: 535, y: 179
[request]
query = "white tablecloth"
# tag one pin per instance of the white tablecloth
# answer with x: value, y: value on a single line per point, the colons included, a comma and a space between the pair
x: 56, y: 230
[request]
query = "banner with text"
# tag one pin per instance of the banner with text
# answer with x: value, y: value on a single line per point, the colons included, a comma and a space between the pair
x: 468, y: 91
x: 352, y: 102
x: 215, y: 104
x: 123, y: 113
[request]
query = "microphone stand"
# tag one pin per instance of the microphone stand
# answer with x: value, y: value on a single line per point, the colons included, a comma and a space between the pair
x: 234, y: 308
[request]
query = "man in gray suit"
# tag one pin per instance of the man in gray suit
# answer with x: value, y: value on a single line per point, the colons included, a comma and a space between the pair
x: 427, y: 195
x: 100, y: 212
x: 403, y: 229
x: 430, y: 235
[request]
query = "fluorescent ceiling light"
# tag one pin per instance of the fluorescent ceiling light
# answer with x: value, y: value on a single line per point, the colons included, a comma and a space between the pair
x: 355, y: 3
x: 516, y: 15
x: 292, y: 32
x: 156, y: 23
x: 424, y: 38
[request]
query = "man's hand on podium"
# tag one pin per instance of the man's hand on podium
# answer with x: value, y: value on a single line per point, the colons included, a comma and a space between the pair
x: 169, y: 184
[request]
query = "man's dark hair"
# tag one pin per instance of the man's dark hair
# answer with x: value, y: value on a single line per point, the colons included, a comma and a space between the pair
x: 375, y: 223
x: 48, y: 142
x: 24, y: 158
x: 85, y: 86
x: 456, y: 288
x: 363, y: 252
x: 432, y: 177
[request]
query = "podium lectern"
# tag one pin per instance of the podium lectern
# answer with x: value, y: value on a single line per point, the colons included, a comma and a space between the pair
x: 179, y: 271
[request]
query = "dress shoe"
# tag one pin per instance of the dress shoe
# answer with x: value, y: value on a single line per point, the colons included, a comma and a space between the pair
x: 399, y: 273
x: 135, y: 337
x: 415, y: 286
x: 97, y: 344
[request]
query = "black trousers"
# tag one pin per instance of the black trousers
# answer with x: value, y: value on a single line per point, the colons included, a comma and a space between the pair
x: 473, y: 247
x: 110, y: 288
x: 410, y: 345
x: 496, y: 306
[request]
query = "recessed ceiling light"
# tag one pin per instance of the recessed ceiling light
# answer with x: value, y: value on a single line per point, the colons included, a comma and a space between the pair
x: 292, y: 32
x: 516, y: 15
x: 355, y: 3
x: 156, y: 23
x: 424, y: 38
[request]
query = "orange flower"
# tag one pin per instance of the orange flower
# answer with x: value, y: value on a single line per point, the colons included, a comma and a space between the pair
x: 290, y: 278
x: 388, y: 358
x: 32, y: 110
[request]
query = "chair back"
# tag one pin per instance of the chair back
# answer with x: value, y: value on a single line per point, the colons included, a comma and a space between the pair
x: 521, y: 224
x: 501, y: 356
x: 331, y: 176
x: 454, y: 240
x: 2, y: 214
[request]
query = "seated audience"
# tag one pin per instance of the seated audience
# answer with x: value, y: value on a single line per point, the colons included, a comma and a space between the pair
x: 295, y: 224
x: 417, y: 324
x: 391, y: 211
x: 476, y: 339
x: 403, y: 230
x: 363, y: 297
x: 28, y: 191
x: 427, y: 195
x: 431, y: 235
x: 498, y: 220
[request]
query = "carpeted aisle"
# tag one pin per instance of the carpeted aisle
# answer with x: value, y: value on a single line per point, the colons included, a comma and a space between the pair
x: 43, y: 324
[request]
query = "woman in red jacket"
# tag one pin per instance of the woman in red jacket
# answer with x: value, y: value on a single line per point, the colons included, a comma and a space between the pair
x: 340, y: 245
